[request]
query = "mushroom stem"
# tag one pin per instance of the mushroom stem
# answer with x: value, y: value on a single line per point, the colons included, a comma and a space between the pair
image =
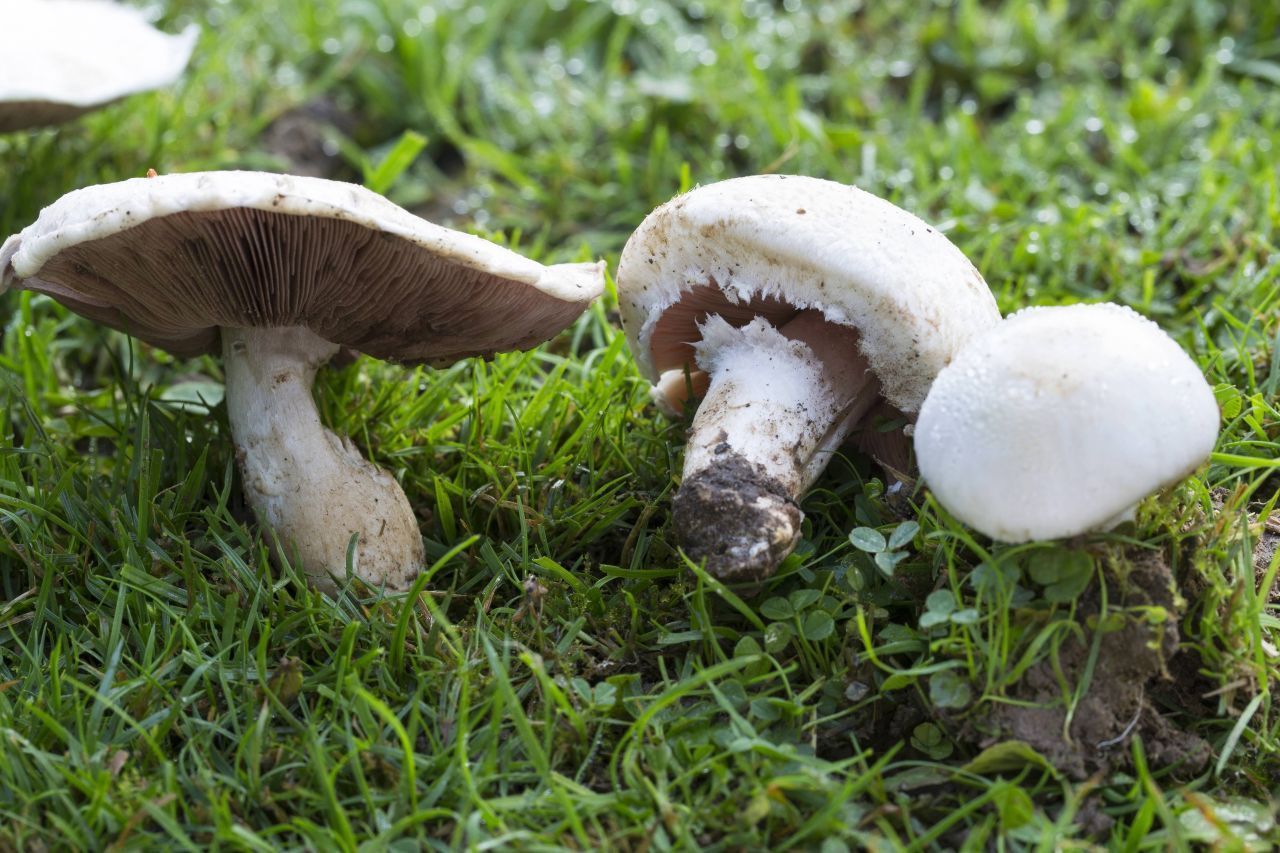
x: 780, y: 402
x: 311, y: 487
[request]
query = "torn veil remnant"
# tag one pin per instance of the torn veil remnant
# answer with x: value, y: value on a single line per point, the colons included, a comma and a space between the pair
x: 792, y: 306
x: 278, y: 273
x: 1061, y: 420
x: 62, y: 58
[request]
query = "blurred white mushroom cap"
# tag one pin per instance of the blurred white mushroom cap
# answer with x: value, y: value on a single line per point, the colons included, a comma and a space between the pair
x: 62, y: 58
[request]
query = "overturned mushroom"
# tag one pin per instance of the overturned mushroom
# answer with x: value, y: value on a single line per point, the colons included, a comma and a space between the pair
x: 62, y: 58
x: 279, y: 272
x: 1061, y: 420
x: 792, y: 306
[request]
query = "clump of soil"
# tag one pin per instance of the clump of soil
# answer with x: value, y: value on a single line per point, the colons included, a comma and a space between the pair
x: 301, y: 137
x: 1132, y: 666
x: 737, y: 518
x: 1264, y: 552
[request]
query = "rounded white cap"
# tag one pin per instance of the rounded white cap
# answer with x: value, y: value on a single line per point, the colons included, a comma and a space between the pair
x: 773, y: 245
x: 61, y: 58
x: 1060, y: 420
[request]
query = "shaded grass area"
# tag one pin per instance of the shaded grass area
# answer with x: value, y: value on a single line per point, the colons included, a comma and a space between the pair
x: 563, y: 678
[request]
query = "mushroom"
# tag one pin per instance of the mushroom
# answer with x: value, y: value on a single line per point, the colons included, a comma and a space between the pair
x: 793, y: 306
x: 62, y: 58
x: 1060, y: 420
x: 279, y: 272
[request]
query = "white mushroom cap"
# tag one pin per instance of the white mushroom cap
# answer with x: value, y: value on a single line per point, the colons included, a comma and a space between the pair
x: 1060, y: 420
x: 170, y: 259
x: 283, y: 271
x: 61, y: 58
x: 772, y: 245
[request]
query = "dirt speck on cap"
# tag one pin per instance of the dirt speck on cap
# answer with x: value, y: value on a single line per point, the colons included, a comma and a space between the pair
x: 737, y: 518
x: 1131, y: 668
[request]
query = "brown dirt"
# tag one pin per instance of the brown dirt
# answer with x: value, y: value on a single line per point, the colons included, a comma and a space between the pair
x: 1265, y: 551
x: 740, y: 520
x: 1132, y: 667
x: 300, y: 137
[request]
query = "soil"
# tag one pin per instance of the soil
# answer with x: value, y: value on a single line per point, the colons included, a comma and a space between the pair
x: 1133, y: 666
x: 1265, y: 551
x: 300, y: 137
x: 740, y: 520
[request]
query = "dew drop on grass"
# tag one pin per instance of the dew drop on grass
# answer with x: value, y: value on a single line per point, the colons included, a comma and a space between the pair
x: 287, y: 75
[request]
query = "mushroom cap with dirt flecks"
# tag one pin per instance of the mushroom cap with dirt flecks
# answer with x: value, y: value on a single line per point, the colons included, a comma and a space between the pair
x: 170, y: 259
x: 62, y: 58
x: 773, y: 245
x: 1061, y: 420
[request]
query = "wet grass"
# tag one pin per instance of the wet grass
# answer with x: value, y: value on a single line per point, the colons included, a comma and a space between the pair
x: 563, y: 678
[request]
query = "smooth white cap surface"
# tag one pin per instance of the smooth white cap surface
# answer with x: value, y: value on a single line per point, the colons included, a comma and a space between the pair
x: 1060, y: 420
x: 772, y: 245
x: 59, y: 58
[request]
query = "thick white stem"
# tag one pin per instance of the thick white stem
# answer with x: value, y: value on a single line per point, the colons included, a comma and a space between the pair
x: 312, y: 488
x: 779, y: 403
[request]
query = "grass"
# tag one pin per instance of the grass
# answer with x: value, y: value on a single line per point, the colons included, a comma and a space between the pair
x: 562, y: 677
